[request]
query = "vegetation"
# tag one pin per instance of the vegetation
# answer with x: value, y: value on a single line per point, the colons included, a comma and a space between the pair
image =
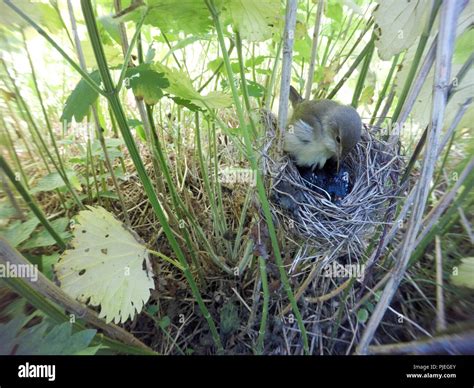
x: 133, y: 143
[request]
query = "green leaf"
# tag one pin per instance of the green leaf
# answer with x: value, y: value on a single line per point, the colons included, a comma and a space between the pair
x: 230, y: 320
x: 421, y: 111
x: 152, y: 309
x: 333, y: 10
x: 165, y: 322
x: 6, y: 211
x: 255, y: 61
x: 54, y: 181
x: 42, y: 339
x: 80, y: 100
x: 178, y: 46
x: 47, y: 263
x: 370, y: 307
x: 398, y: 24
x: 254, y: 89
x: 186, y: 103
x: 189, y: 16
x: 44, y: 239
x: 362, y: 315
x: 464, y: 276
x: 252, y: 19
x: 42, y: 13
x: 133, y: 123
x: 111, y: 26
x: 108, y: 194
x: 106, y: 266
x: 464, y: 47
x: 367, y: 95
x: 180, y: 85
x: 19, y: 231
x: 146, y: 83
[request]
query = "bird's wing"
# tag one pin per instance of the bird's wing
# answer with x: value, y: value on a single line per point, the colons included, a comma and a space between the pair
x: 315, y: 114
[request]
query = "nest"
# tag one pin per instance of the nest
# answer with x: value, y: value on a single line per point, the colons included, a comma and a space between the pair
x: 335, y: 228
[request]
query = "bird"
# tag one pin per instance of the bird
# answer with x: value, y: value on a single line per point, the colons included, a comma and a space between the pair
x: 319, y: 130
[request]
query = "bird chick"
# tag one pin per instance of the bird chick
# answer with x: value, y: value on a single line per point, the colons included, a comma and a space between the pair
x: 320, y: 130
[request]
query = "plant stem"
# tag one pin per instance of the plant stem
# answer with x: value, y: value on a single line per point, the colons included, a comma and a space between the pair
x: 363, y: 74
x: 42, y: 293
x: 449, y: 15
x: 132, y: 147
x: 354, y: 65
x: 386, y: 84
x: 259, y: 180
x: 290, y: 23
x: 266, y: 298
x: 30, y: 202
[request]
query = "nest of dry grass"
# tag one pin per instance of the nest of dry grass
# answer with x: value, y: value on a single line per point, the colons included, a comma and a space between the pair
x: 344, y: 227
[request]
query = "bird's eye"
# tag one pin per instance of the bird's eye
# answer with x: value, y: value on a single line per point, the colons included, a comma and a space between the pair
x: 338, y: 139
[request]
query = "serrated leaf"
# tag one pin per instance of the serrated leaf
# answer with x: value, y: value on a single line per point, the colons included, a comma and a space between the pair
x: 333, y: 10
x: 105, y: 268
x: 42, y: 339
x: 19, y: 231
x: 186, y: 103
x: 398, y: 24
x: 254, y: 89
x: 59, y: 340
x: 113, y: 150
x: 80, y: 100
x: 180, y: 85
x: 465, y: 273
x: 255, y: 61
x: 146, y: 83
x: 252, y: 19
x: 189, y: 16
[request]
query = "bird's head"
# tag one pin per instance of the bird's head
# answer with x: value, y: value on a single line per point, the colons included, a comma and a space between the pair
x: 322, y: 129
x: 345, y: 127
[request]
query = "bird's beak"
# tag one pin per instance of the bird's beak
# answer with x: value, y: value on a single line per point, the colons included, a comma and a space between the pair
x: 338, y: 157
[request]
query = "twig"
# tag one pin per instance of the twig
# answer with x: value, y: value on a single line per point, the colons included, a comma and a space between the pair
x: 289, y: 37
x: 462, y: 343
x: 466, y: 225
x: 51, y: 292
x: 108, y: 162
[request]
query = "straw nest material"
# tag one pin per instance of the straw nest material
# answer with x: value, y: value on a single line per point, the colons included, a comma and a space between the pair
x: 334, y: 228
